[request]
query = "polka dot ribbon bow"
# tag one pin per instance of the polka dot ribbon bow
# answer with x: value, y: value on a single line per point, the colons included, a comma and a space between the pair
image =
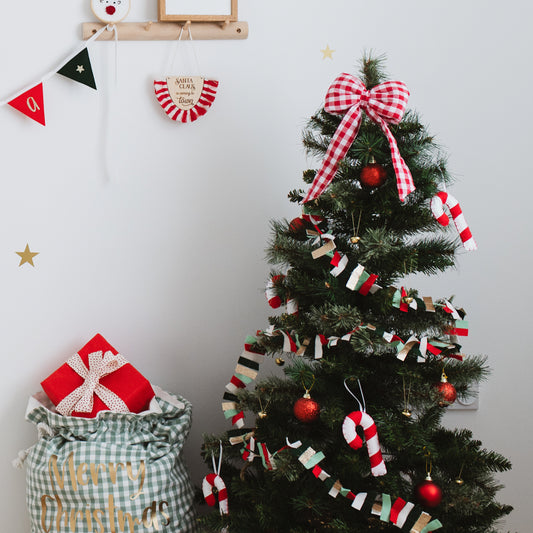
x: 81, y: 399
x: 384, y: 104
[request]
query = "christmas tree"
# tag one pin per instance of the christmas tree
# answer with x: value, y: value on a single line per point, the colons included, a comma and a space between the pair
x: 351, y: 437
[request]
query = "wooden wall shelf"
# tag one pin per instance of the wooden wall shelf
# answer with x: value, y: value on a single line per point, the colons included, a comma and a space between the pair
x: 168, y: 31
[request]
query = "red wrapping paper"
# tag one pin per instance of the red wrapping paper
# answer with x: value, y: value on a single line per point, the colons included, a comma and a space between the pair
x: 127, y: 382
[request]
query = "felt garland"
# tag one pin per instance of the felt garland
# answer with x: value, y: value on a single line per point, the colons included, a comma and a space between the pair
x: 245, y: 372
x: 313, y: 218
x: 435, y: 346
x: 267, y: 458
x: 247, y: 366
x: 402, y: 301
x: 365, y: 283
x: 404, y: 515
x: 359, y: 280
x: 461, y: 326
x: 248, y: 363
x: 362, y: 281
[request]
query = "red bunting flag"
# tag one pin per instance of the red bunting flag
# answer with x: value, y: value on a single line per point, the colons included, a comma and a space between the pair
x: 31, y: 103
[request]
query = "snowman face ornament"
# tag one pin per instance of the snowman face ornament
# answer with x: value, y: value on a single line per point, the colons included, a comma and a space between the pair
x: 110, y: 11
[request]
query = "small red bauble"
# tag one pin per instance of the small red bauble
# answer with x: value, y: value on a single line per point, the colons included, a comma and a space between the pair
x: 373, y: 175
x: 298, y: 228
x: 306, y: 409
x: 428, y: 494
x: 447, y: 392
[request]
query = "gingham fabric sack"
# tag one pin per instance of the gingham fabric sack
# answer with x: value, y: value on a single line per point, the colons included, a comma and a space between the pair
x: 118, y: 472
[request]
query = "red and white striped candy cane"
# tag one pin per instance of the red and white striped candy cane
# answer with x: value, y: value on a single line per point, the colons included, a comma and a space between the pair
x: 213, y: 481
x: 349, y: 430
x: 360, y: 418
x: 437, y: 207
x: 209, y: 483
x: 273, y: 299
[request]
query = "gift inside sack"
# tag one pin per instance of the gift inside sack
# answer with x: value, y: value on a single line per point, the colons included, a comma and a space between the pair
x: 97, y: 378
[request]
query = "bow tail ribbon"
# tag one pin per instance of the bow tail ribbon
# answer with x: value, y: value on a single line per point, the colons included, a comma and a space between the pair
x: 404, y: 180
x: 385, y: 103
x: 338, y: 147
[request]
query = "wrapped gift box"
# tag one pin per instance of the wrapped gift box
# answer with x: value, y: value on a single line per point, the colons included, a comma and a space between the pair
x: 126, y: 382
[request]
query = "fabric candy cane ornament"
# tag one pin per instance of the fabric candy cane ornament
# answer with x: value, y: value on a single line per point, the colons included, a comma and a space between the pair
x: 210, y: 482
x: 270, y: 292
x: 274, y: 300
x: 383, y: 104
x: 213, y: 481
x: 349, y: 431
x: 360, y: 418
x: 437, y: 207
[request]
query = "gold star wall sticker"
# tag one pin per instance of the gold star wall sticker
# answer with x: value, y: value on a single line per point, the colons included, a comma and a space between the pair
x: 327, y: 52
x: 26, y: 256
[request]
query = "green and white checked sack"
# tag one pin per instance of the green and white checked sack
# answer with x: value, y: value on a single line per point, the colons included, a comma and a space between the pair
x: 118, y: 472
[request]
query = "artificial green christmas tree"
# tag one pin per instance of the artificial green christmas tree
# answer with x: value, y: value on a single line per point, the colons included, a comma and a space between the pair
x: 345, y: 440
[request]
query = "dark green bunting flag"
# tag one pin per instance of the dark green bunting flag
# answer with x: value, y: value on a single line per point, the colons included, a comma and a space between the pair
x: 79, y: 69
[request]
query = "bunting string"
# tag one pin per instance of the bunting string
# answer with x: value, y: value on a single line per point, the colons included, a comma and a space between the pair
x: 76, y: 66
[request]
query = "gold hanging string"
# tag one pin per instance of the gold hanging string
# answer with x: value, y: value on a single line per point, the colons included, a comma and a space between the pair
x: 355, y: 239
x: 429, y: 465
x: 406, y: 412
x: 262, y: 413
x: 459, y: 480
x: 308, y: 389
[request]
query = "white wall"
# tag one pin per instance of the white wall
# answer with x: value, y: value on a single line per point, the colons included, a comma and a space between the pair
x: 160, y: 248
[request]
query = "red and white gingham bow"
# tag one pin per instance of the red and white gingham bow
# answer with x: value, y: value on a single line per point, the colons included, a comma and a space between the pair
x: 81, y: 399
x: 384, y: 103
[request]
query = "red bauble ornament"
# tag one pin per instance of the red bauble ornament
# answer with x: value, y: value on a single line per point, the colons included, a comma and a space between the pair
x: 298, y: 228
x: 428, y: 494
x: 306, y: 409
x: 447, y: 392
x: 373, y: 175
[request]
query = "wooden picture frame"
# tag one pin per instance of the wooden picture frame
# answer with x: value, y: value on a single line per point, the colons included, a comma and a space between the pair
x: 187, y: 10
